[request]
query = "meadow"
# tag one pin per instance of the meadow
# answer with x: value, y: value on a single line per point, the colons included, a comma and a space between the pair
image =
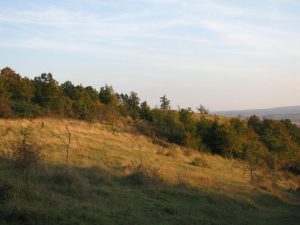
x: 115, y: 175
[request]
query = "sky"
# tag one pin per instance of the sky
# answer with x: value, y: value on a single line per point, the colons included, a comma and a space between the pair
x: 224, y: 54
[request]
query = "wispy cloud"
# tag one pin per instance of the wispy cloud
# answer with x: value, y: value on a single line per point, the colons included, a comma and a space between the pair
x: 189, y: 23
x: 183, y: 38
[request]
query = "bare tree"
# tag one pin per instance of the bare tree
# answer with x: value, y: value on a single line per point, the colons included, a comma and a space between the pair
x: 67, y: 142
x: 202, y: 110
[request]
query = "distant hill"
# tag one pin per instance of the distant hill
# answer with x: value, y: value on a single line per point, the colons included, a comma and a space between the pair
x: 291, y: 112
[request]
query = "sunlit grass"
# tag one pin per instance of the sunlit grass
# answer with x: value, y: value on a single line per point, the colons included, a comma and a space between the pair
x: 101, y: 157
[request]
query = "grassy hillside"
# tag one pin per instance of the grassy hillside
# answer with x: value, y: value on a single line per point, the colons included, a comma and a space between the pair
x: 116, y: 176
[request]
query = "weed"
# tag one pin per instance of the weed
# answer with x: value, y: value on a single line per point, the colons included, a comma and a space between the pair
x: 182, y: 180
x: 142, y: 175
x: 200, y: 161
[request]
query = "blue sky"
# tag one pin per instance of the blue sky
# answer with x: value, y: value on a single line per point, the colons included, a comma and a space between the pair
x: 225, y: 54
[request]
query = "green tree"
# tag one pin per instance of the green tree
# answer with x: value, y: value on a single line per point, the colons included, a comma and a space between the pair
x: 130, y: 104
x: 146, y: 112
x: 293, y: 130
x: 133, y: 101
x: 222, y: 139
x: 85, y: 103
x: 165, y: 103
x: 186, y: 117
x: 275, y: 136
x: 167, y: 125
x: 108, y: 96
x: 70, y: 90
x: 5, y: 108
x: 20, y: 92
x: 254, y: 154
x: 48, y: 94
x: 255, y: 123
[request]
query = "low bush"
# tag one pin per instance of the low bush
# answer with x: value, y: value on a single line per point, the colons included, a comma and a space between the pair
x: 182, y: 180
x: 200, y: 161
x: 142, y: 175
x: 64, y: 178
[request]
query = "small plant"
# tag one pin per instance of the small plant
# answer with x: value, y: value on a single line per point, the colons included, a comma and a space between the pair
x: 157, y: 141
x: 8, y: 130
x: 142, y: 175
x: 187, y: 152
x: 204, y: 181
x: 200, y: 161
x: 182, y: 180
x: 25, y: 152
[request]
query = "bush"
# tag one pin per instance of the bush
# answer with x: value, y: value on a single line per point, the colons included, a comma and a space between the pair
x: 200, y: 161
x: 25, y: 152
x: 144, y: 176
x: 157, y: 141
x: 182, y: 180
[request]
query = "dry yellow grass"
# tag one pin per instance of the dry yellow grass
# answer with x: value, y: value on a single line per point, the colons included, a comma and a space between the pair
x: 95, y: 144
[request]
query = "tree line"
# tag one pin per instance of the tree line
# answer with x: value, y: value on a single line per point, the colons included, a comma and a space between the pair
x: 262, y: 141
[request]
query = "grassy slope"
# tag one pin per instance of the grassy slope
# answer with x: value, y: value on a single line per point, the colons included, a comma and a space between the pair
x: 96, y: 188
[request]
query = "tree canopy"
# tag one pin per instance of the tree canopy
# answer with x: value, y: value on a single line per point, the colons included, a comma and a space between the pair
x: 44, y: 96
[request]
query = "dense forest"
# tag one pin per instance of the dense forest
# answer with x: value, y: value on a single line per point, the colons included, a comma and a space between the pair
x: 265, y: 142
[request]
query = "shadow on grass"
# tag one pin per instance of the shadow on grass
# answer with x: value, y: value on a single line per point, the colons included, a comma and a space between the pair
x: 73, y: 195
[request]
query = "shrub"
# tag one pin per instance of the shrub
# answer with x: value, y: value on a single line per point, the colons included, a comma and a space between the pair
x: 182, y: 180
x: 264, y: 183
x: 204, y: 181
x: 141, y: 175
x: 25, y: 152
x: 157, y: 141
x: 200, y: 161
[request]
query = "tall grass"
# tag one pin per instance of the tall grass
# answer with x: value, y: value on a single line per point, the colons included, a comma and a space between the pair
x: 118, y: 177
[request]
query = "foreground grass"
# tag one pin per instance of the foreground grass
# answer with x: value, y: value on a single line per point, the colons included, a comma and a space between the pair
x: 115, y: 177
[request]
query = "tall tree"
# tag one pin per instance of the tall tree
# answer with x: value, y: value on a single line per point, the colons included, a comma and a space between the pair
x: 145, y: 112
x: 202, y: 110
x: 20, y: 91
x: 108, y: 96
x: 5, y: 108
x: 165, y: 103
x: 133, y: 101
x: 48, y: 94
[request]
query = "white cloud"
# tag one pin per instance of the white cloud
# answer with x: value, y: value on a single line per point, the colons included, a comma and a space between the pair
x: 192, y: 28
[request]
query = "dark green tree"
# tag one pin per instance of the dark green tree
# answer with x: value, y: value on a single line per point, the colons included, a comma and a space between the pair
x: 165, y: 103
x: 5, y: 108
x: 255, y: 123
x: 146, y: 112
x: 108, y: 96
x: 48, y: 94
x: 222, y: 139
